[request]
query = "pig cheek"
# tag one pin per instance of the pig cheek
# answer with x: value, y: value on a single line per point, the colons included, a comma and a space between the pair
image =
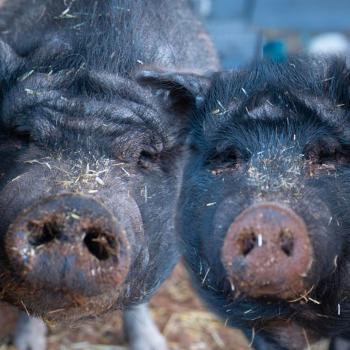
x: 323, y: 230
x: 119, y: 199
x: 18, y: 194
x: 216, y: 219
x: 284, y: 331
x: 225, y: 214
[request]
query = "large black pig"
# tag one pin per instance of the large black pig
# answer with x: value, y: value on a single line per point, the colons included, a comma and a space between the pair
x: 264, y: 211
x: 90, y: 158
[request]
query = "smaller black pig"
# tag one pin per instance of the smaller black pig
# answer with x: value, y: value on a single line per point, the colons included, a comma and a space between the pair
x: 264, y: 211
x: 90, y: 157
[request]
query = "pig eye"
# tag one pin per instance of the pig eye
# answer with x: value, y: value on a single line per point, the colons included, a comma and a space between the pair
x: 326, y: 156
x: 223, y: 161
x: 324, y: 153
x: 22, y: 133
x: 148, y: 158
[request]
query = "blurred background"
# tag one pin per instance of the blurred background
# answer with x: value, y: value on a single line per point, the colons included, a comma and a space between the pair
x: 243, y: 29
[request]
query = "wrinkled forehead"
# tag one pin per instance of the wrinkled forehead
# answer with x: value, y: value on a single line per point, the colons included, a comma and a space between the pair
x: 109, y: 115
x: 301, y: 87
x: 274, y: 115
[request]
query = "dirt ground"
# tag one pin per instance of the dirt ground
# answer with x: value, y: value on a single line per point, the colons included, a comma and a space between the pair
x: 178, y: 313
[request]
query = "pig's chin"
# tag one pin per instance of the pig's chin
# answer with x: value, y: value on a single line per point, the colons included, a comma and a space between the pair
x: 256, y: 311
x: 80, y: 309
x: 55, y: 306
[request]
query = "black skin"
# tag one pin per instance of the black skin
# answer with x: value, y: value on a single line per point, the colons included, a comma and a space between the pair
x: 74, y: 92
x: 276, y: 132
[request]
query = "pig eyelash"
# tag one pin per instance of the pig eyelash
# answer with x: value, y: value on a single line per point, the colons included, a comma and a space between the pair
x: 147, y: 159
x: 151, y: 155
x: 21, y: 133
x: 222, y: 162
x: 324, y: 154
x: 319, y: 157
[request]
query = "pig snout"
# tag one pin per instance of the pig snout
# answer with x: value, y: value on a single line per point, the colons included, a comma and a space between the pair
x: 267, y: 252
x: 68, y: 243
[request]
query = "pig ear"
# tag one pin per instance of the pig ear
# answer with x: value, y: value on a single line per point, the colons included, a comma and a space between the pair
x: 10, y: 63
x: 337, y: 81
x: 181, y: 91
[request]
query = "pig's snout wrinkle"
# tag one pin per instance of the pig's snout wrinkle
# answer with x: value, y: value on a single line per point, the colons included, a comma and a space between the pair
x: 69, y: 243
x: 267, y: 252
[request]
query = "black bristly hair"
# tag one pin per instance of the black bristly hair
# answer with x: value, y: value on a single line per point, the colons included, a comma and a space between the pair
x: 275, y: 132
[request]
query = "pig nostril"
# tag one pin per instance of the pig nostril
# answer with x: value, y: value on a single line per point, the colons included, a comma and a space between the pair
x: 247, y: 242
x: 286, y: 242
x: 41, y: 233
x: 99, y: 244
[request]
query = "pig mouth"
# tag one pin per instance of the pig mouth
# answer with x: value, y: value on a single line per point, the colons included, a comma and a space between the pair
x: 57, y: 305
x: 59, y: 308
